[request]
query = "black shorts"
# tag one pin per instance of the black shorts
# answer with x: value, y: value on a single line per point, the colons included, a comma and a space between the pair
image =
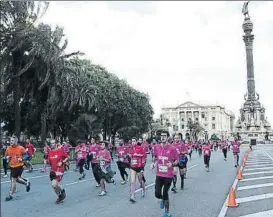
x: 138, y: 169
x: 16, y: 172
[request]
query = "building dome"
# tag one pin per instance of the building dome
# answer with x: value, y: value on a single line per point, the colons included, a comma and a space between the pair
x: 247, y: 25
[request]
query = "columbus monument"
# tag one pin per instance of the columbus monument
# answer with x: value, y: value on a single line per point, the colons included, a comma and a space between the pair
x: 252, y: 120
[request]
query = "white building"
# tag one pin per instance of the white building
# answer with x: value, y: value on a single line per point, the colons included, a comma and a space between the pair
x: 213, y: 118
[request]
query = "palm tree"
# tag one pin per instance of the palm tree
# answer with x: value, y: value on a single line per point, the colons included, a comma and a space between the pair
x: 16, y: 36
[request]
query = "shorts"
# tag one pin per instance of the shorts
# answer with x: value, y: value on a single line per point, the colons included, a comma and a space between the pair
x: 138, y: 169
x: 53, y: 175
x: 16, y: 172
x: 236, y: 153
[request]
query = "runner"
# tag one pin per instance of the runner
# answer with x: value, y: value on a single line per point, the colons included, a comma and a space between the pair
x: 236, y: 150
x: 145, y: 146
x: 166, y: 158
x: 123, y: 161
x: 190, y: 148
x: 14, y: 154
x: 106, y: 173
x: 94, y: 150
x: 57, y: 159
x: 29, y: 155
x: 137, y: 155
x: 46, y: 150
x: 224, y: 147
x: 207, y: 153
x: 89, y: 156
x: 81, y: 153
x: 5, y: 160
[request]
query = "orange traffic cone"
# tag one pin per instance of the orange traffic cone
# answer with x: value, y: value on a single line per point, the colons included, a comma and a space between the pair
x: 239, y: 174
x: 232, y: 198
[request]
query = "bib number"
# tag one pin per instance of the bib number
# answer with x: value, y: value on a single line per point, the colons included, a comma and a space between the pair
x: 102, y: 162
x: 121, y: 159
x: 134, y: 161
x: 207, y: 152
x: 79, y: 154
x: 94, y: 154
x: 163, y: 168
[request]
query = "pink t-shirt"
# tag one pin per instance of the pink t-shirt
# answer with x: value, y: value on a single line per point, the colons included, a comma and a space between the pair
x: 145, y: 146
x: 66, y: 147
x: 207, y: 150
x: 46, y: 149
x: 81, y: 151
x: 165, y: 154
x: 94, y: 150
x: 138, y: 156
x: 105, y: 154
x: 122, y: 152
x: 224, y: 145
x: 236, y: 147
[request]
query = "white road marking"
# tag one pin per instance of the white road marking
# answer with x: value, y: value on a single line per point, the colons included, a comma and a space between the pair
x: 257, y: 178
x: 259, y: 163
x: 259, y: 168
x: 269, y: 155
x: 268, y: 213
x: 254, y: 198
x: 77, y: 182
x: 256, y: 173
x: 225, y: 207
x: 35, y: 177
x: 248, y: 166
x: 255, y: 186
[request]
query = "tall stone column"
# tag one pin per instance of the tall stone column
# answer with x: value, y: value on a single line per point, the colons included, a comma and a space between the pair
x: 248, y: 39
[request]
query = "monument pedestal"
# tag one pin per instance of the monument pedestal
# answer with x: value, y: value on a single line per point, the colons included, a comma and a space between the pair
x: 252, y: 121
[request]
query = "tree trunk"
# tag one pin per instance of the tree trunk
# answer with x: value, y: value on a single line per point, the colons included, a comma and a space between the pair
x: 43, y: 125
x: 17, y: 93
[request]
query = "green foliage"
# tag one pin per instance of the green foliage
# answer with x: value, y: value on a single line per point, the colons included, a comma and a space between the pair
x: 46, y: 92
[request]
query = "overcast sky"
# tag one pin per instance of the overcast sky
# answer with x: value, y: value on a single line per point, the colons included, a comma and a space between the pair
x: 167, y: 49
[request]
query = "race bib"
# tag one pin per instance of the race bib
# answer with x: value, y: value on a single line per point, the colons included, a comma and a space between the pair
x: 134, y: 161
x: 79, y: 154
x: 121, y: 159
x: 94, y: 154
x: 102, y: 162
x: 163, y: 168
x: 207, y: 152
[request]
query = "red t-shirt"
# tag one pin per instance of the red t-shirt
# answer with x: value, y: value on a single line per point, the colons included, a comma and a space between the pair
x: 30, y: 149
x: 56, y: 156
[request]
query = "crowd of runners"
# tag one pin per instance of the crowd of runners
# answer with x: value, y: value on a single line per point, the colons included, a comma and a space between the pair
x: 170, y: 156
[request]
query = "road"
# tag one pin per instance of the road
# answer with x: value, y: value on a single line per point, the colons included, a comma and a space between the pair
x: 203, y: 196
x: 255, y: 192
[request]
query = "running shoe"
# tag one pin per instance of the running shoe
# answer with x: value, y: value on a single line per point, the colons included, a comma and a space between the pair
x: 98, y: 185
x: 162, y: 204
x: 8, y: 198
x: 167, y: 214
x: 28, y: 186
x: 5, y: 176
x: 174, y: 189
x: 122, y: 182
x: 142, y: 193
x: 132, y: 199
x: 103, y: 193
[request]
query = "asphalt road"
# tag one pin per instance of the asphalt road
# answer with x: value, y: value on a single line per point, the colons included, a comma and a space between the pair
x: 203, y: 196
x: 254, y: 194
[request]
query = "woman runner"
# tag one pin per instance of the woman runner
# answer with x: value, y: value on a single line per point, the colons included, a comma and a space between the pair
x: 165, y: 159
x: 207, y: 153
x: 137, y: 155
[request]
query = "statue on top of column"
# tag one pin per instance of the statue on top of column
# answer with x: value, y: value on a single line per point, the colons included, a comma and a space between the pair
x: 245, y: 9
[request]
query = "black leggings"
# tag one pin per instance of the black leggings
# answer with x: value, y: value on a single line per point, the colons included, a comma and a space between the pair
x: 122, y: 169
x: 81, y: 164
x: 206, y: 160
x: 96, y: 171
x: 224, y: 152
x: 165, y: 183
x: 5, y: 165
